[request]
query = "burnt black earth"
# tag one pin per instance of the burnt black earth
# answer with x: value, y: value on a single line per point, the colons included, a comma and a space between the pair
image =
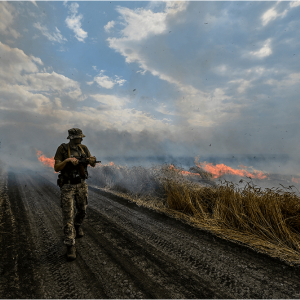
x: 128, y: 251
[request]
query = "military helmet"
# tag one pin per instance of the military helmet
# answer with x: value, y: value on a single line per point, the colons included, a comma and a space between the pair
x: 75, y: 133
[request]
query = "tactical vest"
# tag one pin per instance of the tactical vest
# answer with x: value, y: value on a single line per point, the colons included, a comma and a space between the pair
x: 70, y: 171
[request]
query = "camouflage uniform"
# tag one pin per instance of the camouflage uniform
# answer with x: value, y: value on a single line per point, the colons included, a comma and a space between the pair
x: 71, y: 190
x: 67, y: 194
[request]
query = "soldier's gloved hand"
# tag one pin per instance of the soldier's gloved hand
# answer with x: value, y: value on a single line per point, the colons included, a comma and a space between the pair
x: 92, y: 160
x: 73, y: 160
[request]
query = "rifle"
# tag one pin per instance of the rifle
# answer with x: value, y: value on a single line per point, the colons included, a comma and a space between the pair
x: 85, y: 161
x: 82, y: 163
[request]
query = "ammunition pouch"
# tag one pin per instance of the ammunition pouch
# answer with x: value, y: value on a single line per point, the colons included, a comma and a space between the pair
x: 61, y: 180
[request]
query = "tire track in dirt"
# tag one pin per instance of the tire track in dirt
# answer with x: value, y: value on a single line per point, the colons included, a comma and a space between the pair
x: 140, y: 226
x: 9, y: 279
x: 17, y: 247
x: 60, y: 279
x: 151, y: 269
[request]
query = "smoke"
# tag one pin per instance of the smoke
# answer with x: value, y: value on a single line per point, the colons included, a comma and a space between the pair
x: 141, y: 181
x: 18, y: 146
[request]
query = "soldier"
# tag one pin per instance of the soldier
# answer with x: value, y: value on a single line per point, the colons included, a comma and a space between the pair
x: 72, y: 185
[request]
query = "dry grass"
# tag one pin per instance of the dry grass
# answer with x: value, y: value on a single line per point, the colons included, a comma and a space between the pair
x: 265, y: 220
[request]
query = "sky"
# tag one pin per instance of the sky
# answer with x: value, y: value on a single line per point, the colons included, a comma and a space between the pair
x: 207, y: 79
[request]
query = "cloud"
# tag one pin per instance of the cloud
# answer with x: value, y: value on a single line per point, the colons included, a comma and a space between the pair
x: 74, y: 22
x: 47, y: 99
x: 294, y: 3
x: 272, y: 14
x: 24, y: 87
x: 131, y: 120
x: 119, y: 80
x: 288, y: 81
x: 54, y: 37
x: 142, y: 23
x: 205, y: 110
x: 266, y: 50
x: 221, y: 69
x: 110, y: 101
x: 162, y: 108
x: 7, y: 16
x: 34, y: 3
x: 36, y: 59
x: 208, y: 77
x: 109, y: 25
x: 54, y: 83
x: 142, y: 72
x: 242, y: 84
x: 14, y: 62
x: 145, y: 29
x: 107, y: 82
x: 104, y: 81
x: 140, y: 26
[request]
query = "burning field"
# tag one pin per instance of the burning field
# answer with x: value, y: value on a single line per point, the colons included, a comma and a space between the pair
x: 243, y: 205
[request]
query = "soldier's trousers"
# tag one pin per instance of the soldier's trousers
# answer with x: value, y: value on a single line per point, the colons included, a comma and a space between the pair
x: 69, y: 193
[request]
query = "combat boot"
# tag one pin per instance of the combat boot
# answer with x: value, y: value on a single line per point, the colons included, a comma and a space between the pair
x: 71, y: 252
x: 79, y: 232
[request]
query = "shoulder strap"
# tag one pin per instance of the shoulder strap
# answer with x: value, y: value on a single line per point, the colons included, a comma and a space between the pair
x: 69, y: 151
x: 81, y: 149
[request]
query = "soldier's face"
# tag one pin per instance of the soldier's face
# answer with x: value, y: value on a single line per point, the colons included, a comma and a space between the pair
x: 77, y: 141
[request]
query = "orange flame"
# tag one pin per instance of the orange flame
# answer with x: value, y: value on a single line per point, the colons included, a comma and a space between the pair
x: 184, y: 172
x: 49, y: 162
x: 221, y: 169
x: 296, y: 180
x: 112, y: 164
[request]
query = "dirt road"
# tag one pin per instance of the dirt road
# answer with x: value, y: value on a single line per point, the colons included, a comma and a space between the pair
x: 127, y: 252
